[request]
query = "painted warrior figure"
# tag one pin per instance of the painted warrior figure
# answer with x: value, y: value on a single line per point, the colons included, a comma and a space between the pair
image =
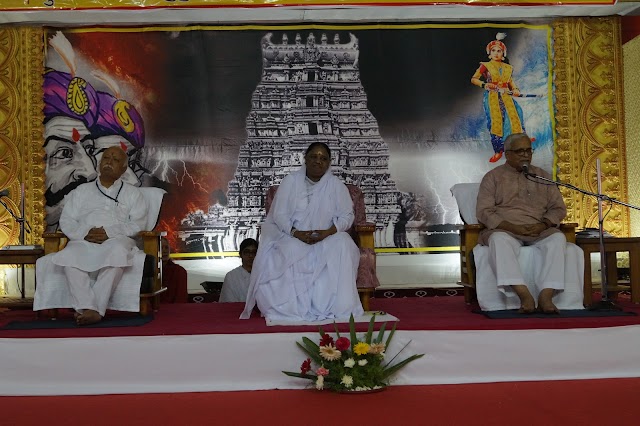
x: 504, y: 115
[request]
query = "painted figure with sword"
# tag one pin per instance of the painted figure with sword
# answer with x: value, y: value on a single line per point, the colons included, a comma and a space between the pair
x: 504, y: 115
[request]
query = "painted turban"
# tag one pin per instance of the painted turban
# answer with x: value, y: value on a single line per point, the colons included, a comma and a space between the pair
x: 69, y: 96
x: 118, y: 117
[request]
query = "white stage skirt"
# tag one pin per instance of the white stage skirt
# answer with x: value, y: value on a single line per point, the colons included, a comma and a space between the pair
x: 229, y: 362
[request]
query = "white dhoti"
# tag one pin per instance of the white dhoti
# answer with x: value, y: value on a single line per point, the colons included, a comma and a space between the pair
x: 547, y: 263
x: 108, y: 276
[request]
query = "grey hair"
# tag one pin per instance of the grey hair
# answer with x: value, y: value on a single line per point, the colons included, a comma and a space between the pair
x: 514, y: 137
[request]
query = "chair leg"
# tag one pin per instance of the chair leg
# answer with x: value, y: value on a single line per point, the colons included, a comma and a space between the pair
x: 365, y: 295
x: 155, y: 303
x: 145, y: 306
x: 469, y: 295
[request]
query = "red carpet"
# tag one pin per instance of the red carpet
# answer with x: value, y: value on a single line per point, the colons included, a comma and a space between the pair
x: 584, y: 402
x: 433, y: 313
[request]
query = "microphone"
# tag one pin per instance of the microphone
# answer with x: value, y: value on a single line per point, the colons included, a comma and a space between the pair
x: 4, y: 193
x: 525, y: 168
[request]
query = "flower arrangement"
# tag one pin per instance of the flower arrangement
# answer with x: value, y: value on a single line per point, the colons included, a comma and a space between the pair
x: 350, y: 363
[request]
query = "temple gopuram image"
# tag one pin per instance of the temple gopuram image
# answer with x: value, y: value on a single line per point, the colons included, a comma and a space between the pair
x: 309, y: 92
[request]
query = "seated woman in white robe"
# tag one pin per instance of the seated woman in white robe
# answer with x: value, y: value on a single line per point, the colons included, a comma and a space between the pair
x: 306, y: 265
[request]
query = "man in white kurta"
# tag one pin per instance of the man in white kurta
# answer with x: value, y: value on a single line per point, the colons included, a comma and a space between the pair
x: 100, y: 267
x: 235, y: 286
x: 237, y: 281
x: 306, y: 265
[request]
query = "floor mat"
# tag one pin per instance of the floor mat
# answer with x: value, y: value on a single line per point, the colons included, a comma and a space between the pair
x: 133, y: 321
x: 567, y: 313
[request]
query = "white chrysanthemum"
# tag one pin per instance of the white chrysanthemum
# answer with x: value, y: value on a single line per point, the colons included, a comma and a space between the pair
x: 320, y: 383
x: 349, y: 363
x: 362, y: 362
x: 330, y: 353
x: 347, y: 381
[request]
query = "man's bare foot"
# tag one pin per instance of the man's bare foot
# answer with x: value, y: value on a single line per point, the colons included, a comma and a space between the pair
x: 88, y: 317
x: 527, y: 302
x: 545, y: 302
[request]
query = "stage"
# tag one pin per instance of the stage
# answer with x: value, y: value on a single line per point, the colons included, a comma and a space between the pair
x: 204, y: 347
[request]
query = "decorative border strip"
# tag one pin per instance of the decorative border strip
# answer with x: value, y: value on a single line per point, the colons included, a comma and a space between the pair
x: 590, y: 118
x: 181, y: 4
x: 21, y: 130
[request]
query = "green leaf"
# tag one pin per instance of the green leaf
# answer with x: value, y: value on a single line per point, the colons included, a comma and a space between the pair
x: 393, y: 331
x: 370, y: 330
x: 387, y: 372
x: 335, y: 326
x: 352, y: 330
x: 313, y: 354
x: 300, y: 375
x: 381, y: 332
x: 399, y: 352
x: 311, y: 345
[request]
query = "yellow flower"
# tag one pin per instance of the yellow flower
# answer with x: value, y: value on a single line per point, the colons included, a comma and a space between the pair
x: 320, y: 383
x: 330, y: 353
x: 361, y: 348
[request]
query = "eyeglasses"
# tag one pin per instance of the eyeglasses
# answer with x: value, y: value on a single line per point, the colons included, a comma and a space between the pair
x: 522, y: 151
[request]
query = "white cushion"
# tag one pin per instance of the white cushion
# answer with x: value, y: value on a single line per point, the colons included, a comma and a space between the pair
x: 466, y: 195
x: 153, y: 197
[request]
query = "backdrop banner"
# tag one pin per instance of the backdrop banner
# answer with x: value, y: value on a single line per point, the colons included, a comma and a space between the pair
x: 216, y: 115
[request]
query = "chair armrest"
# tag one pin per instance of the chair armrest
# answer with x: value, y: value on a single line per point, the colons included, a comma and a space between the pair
x: 151, y: 242
x: 469, y: 235
x: 569, y: 231
x: 54, y: 242
x: 365, y: 235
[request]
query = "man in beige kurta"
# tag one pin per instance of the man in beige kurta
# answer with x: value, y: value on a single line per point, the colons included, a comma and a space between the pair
x: 518, y: 210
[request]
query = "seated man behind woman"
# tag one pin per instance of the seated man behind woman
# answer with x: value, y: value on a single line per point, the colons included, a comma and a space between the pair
x: 306, y: 266
x: 236, y: 282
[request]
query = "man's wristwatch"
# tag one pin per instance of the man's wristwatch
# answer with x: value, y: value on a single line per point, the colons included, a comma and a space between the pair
x: 293, y: 231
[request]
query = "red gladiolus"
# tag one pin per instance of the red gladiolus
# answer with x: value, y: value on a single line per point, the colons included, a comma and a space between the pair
x: 306, y: 366
x: 342, y: 344
x: 326, y: 340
